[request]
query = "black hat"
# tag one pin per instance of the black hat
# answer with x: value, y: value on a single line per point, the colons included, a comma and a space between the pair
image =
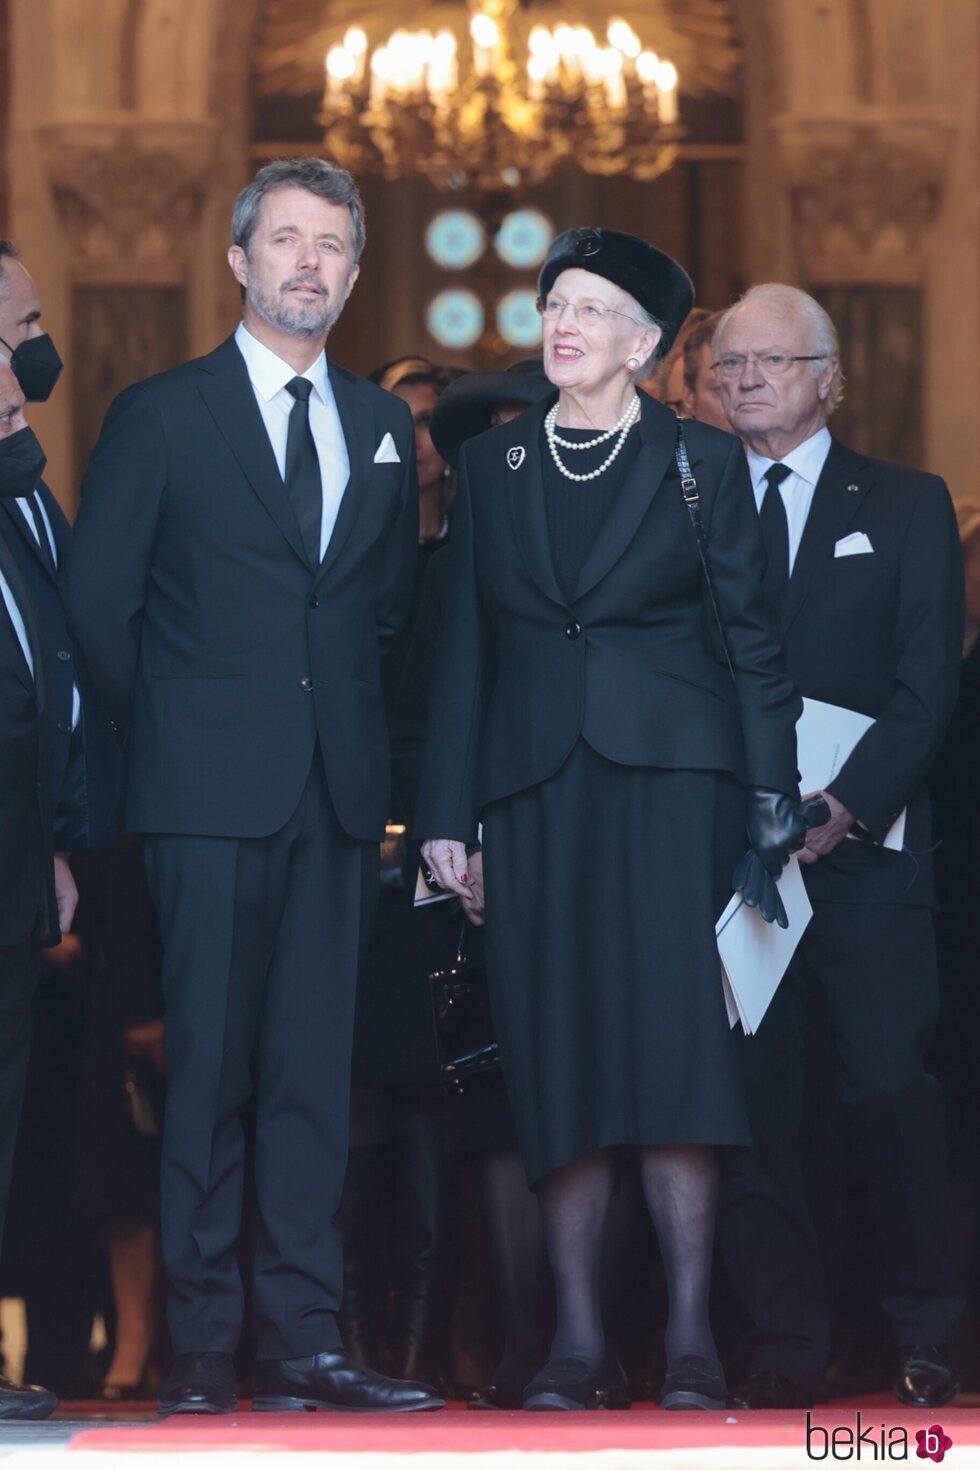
x: 658, y: 283
x: 466, y: 407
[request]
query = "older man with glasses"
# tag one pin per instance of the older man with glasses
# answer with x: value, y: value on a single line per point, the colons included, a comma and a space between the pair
x: 865, y: 579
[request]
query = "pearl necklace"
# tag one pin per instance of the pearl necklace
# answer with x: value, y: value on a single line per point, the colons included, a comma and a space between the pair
x: 623, y: 427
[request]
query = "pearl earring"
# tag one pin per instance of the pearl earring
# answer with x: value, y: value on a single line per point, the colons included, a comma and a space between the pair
x: 632, y: 363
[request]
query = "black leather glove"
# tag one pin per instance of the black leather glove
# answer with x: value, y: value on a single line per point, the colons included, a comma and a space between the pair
x: 777, y: 826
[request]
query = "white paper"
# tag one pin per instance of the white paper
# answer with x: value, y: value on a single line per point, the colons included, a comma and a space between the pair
x: 825, y: 736
x: 755, y: 955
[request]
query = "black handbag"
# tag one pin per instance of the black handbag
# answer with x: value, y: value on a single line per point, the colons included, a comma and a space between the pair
x: 466, y: 1044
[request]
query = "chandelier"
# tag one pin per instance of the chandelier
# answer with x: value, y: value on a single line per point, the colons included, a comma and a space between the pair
x: 488, y: 100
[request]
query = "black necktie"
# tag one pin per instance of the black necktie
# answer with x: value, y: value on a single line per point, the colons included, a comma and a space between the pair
x: 775, y: 533
x: 47, y: 555
x: 303, y: 484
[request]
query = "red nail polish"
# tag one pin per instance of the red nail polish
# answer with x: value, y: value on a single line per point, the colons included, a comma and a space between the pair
x: 463, y: 878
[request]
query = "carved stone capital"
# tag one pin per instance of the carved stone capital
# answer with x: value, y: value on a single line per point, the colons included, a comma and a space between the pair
x: 863, y: 193
x: 128, y: 194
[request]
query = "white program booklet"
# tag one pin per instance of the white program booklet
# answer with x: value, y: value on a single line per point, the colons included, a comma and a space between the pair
x: 825, y: 736
x: 755, y: 955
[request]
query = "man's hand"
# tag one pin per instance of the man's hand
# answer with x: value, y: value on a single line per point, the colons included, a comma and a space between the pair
x: 822, y: 840
x: 146, y: 1041
x: 65, y: 891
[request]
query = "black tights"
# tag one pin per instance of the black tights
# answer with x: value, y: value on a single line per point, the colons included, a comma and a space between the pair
x: 680, y: 1184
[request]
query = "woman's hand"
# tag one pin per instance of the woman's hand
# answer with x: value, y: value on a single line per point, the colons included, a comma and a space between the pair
x: 473, y: 900
x: 448, y: 864
x: 777, y: 826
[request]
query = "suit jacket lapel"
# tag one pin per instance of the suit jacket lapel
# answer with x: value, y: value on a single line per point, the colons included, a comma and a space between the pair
x: 658, y: 432
x: 16, y: 525
x: 525, y: 492
x: 844, y: 483
x: 11, y: 574
x: 357, y: 422
x: 227, y: 390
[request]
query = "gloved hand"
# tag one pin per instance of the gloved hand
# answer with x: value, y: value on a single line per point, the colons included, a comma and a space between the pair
x: 777, y: 826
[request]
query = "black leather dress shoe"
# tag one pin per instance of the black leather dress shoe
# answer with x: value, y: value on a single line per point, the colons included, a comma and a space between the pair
x: 567, y: 1383
x: 694, y: 1382
x: 335, y: 1381
x: 925, y: 1377
x: 199, y: 1383
x: 769, y: 1390
x: 25, y: 1401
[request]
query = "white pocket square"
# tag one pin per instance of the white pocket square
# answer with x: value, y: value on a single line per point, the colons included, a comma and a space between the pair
x: 857, y: 544
x: 386, y: 453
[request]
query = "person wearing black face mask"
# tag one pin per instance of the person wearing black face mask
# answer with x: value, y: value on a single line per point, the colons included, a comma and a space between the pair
x: 37, y: 893
x: 86, y: 755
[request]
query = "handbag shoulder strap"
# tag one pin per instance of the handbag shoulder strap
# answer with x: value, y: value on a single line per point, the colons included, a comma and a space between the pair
x: 692, y: 499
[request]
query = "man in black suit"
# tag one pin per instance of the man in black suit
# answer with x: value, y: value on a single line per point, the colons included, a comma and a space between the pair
x: 37, y: 892
x: 245, y: 546
x: 86, y: 751
x: 865, y: 576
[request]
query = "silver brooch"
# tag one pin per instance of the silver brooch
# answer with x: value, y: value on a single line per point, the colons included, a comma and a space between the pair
x: 854, y: 489
x: 515, y: 456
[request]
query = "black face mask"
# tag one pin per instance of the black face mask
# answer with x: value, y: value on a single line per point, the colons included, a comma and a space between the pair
x: 22, y: 462
x: 36, y: 366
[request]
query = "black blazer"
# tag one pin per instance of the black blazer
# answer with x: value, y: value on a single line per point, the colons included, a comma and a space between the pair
x: 881, y: 633
x: 97, y: 785
x: 632, y: 662
x: 222, y: 654
x: 27, y: 898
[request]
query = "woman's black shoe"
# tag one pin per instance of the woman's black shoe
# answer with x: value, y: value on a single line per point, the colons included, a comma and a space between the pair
x: 126, y: 1393
x: 694, y: 1383
x: 568, y: 1383
x: 497, y: 1396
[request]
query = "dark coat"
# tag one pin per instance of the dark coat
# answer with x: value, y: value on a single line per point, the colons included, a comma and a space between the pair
x: 27, y: 898
x: 223, y: 656
x: 881, y: 633
x: 98, y: 785
x: 632, y: 662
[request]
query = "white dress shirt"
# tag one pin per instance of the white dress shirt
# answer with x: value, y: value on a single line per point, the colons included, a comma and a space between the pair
x: 20, y: 627
x: 269, y: 375
x: 24, y: 506
x: 806, y: 462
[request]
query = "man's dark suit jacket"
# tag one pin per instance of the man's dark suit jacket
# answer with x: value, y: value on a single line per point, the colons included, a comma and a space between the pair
x: 221, y: 653
x: 881, y: 633
x: 93, y: 791
x: 631, y: 663
x: 27, y: 898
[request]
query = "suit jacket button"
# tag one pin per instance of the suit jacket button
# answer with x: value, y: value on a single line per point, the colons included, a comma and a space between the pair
x: 64, y: 655
x: 63, y: 727
x: 306, y: 683
x: 314, y: 601
x: 572, y: 630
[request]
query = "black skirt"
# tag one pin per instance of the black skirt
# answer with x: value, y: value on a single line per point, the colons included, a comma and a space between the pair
x: 603, y: 887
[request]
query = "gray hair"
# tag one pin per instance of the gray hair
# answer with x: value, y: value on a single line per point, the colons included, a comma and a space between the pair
x: 823, y: 334
x: 647, y: 319
x: 8, y: 251
x: 327, y: 180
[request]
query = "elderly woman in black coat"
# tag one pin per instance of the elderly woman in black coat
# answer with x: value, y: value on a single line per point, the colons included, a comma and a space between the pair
x: 584, y: 712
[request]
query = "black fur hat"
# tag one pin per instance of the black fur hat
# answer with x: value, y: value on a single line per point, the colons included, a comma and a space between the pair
x: 466, y: 407
x: 658, y: 283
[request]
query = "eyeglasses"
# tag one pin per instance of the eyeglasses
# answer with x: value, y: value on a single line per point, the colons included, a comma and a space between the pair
x: 773, y: 364
x: 587, y: 313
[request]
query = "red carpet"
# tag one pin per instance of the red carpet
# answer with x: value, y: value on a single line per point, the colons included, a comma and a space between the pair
x: 643, y: 1437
